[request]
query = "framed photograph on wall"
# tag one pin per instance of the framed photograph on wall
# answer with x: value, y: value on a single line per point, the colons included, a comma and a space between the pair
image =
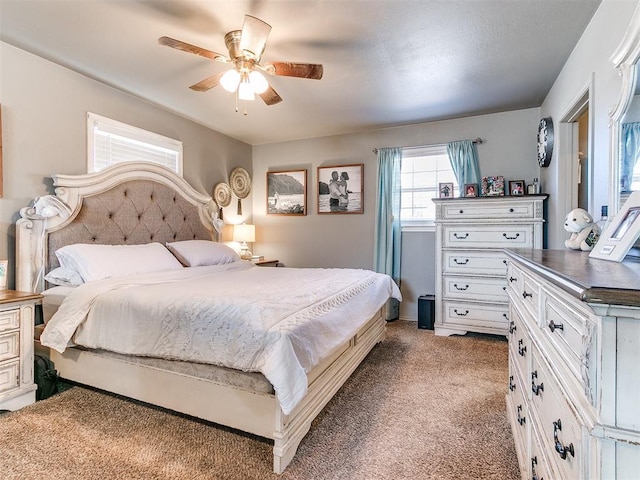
x: 623, y: 231
x: 470, y: 189
x: 445, y: 190
x: 516, y: 187
x: 341, y: 189
x: 492, y: 186
x: 287, y: 192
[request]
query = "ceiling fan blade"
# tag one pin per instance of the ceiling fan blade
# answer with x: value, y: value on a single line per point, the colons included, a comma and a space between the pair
x: 254, y: 37
x: 290, y: 69
x: 207, y: 83
x: 187, y: 47
x: 270, y: 96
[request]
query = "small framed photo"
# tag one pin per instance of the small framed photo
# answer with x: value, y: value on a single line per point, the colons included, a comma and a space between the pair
x: 516, y: 187
x: 445, y: 190
x: 621, y: 234
x: 3, y: 274
x: 470, y: 189
x: 341, y: 189
x: 287, y: 192
x: 492, y: 186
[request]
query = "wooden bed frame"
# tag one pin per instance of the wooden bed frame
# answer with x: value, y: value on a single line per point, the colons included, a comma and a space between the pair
x: 43, y: 228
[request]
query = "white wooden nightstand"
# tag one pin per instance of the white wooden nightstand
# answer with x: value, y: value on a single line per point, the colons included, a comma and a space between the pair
x: 17, y: 312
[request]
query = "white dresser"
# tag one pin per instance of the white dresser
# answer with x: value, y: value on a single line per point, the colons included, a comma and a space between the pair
x: 17, y: 312
x: 471, y: 266
x: 574, y: 365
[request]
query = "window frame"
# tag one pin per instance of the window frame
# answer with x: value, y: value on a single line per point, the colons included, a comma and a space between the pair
x: 426, y: 225
x: 130, y: 132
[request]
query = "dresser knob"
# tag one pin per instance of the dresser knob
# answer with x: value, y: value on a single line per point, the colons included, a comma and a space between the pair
x: 534, y: 475
x: 513, y: 279
x: 562, y: 450
x: 554, y: 326
x: 461, y: 211
x: 512, y: 386
x: 536, y: 388
x: 521, y: 348
x: 511, y: 210
x: 521, y: 420
x: 512, y: 327
x: 526, y: 294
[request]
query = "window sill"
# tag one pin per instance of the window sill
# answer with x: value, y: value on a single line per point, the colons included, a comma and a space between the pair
x: 418, y: 228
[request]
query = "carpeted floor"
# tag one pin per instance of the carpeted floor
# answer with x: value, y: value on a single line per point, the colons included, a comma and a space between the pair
x: 419, y: 407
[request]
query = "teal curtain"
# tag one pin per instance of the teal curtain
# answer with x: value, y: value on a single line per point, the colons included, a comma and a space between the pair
x: 388, y: 234
x: 463, y: 156
x: 630, y: 154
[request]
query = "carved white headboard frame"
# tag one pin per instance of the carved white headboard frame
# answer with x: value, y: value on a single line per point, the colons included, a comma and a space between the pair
x: 118, y: 200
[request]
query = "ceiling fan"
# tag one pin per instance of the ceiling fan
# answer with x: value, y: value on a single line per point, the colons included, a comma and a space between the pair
x: 246, y: 78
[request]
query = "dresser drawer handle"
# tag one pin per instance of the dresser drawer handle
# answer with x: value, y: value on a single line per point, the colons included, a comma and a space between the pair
x: 560, y: 448
x: 534, y: 462
x: 522, y: 349
x: 512, y: 327
x: 512, y: 386
x: 461, y: 237
x: 554, y: 326
x: 510, y: 237
x: 536, y: 388
x: 511, y: 210
x: 466, y: 260
x: 461, y: 314
x: 513, y: 279
x: 461, y: 211
x: 521, y: 420
x: 462, y: 289
x: 526, y: 294
x: 504, y: 261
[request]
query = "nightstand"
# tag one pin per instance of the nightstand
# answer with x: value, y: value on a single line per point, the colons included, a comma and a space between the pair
x: 268, y: 263
x: 17, y: 312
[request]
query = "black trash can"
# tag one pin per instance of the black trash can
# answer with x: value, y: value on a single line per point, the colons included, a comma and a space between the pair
x: 426, y: 311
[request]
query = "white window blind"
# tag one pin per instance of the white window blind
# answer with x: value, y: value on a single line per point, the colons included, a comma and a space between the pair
x: 423, y: 168
x: 110, y: 142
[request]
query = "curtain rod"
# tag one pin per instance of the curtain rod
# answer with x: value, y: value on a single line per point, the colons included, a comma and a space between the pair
x: 477, y: 140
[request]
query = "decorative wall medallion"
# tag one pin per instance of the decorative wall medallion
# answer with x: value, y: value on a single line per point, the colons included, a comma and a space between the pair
x: 222, y: 196
x: 240, y: 184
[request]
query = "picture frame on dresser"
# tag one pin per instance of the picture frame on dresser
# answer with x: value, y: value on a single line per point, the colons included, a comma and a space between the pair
x: 470, y: 189
x: 493, y: 186
x: 516, y: 187
x: 445, y: 190
x: 621, y: 234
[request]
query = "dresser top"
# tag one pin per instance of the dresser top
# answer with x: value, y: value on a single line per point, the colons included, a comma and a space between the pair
x: 8, y: 296
x: 588, y: 279
x: 494, y: 198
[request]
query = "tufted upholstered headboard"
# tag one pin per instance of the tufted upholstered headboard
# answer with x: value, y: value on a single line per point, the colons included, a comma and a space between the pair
x: 130, y: 203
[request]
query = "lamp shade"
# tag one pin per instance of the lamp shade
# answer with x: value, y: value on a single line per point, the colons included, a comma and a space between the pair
x: 244, y: 233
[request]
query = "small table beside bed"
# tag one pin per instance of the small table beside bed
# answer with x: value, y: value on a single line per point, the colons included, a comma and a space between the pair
x: 139, y: 299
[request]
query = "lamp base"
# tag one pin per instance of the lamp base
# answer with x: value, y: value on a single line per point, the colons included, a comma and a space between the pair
x: 245, y: 253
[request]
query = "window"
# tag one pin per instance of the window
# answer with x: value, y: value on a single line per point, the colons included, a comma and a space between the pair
x: 110, y: 142
x: 422, y: 170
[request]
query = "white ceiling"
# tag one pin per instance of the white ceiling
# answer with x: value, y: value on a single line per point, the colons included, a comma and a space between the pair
x: 386, y: 63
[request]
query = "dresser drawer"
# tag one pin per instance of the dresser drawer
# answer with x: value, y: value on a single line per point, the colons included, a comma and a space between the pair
x: 560, y: 430
x: 567, y: 330
x: 530, y: 295
x: 488, y: 209
x: 518, y: 414
x: 519, y: 343
x: 473, y: 314
x: 9, y: 375
x: 474, y: 262
x: 475, y: 288
x: 539, y: 464
x: 9, y: 346
x: 487, y: 236
x: 9, y: 319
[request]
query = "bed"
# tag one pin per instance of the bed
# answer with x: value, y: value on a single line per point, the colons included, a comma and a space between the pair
x: 298, y: 354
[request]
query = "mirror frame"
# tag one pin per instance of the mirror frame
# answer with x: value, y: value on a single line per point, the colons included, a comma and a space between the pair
x: 625, y: 60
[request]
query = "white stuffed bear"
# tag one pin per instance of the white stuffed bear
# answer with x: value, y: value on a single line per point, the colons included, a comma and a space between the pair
x: 584, y: 232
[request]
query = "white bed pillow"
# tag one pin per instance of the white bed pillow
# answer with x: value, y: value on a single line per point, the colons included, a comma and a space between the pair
x: 96, y: 262
x: 64, y: 277
x: 196, y: 253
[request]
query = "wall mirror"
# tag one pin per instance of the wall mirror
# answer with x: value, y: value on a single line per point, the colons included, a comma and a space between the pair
x: 625, y: 120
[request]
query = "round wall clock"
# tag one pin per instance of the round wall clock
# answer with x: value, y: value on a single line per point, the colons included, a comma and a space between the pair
x: 545, y: 141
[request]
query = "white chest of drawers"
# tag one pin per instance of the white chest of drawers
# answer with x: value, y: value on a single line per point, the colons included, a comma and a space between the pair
x: 17, y: 311
x: 574, y: 365
x: 471, y: 267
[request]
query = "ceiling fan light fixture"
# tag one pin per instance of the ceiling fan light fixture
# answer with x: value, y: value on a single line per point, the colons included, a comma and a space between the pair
x: 258, y: 82
x: 230, y: 80
x: 245, y: 90
x: 254, y: 36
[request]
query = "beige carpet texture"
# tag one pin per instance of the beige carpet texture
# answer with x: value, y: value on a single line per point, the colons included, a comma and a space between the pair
x: 419, y: 407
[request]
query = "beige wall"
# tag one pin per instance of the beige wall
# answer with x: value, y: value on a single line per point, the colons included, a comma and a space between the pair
x: 346, y: 240
x: 44, y: 109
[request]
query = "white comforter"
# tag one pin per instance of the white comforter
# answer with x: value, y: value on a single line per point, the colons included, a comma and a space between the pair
x: 278, y: 321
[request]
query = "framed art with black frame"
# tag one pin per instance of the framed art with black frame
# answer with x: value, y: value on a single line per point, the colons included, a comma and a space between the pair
x: 341, y: 189
x: 516, y: 187
x: 287, y: 192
